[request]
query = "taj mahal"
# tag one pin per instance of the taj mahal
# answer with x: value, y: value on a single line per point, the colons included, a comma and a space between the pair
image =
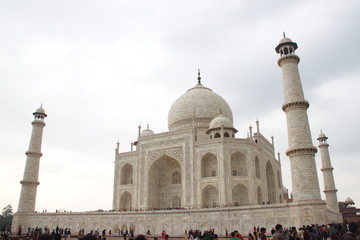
x: 199, y: 175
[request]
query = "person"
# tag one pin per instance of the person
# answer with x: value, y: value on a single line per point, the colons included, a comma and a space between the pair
x: 57, y: 236
x: 89, y: 236
x: 250, y: 236
x: 278, y: 234
x: 45, y: 236
x: 331, y: 231
x: 19, y: 230
x: 96, y: 233
x: 232, y: 236
x: 294, y: 234
x: 323, y: 232
x: 310, y: 233
x: 140, y: 237
x: 238, y: 235
x: 262, y: 234
x: 4, y: 235
x: 68, y: 234
x: 354, y: 231
x: 207, y: 235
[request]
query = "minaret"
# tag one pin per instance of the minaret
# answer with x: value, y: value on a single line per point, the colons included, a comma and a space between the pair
x: 30, y: 181
x: 327, y: 170
x: 305, y: 183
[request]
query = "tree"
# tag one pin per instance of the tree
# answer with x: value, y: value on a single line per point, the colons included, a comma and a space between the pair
x: 7, y: 211
x: 6, y: 218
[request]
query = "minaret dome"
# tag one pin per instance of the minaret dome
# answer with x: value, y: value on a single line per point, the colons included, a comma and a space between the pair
x: 286, y: 46
x: 40, y: 113
x: 322, y: 138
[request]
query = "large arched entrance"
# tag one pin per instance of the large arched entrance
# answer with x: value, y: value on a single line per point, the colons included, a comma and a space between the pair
x: 163, y: 189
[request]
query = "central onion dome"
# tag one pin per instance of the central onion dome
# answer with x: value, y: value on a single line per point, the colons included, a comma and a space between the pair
x: 197, y: 107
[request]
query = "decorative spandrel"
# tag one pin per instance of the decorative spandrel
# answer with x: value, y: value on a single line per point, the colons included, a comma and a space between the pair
x: 175, y: 152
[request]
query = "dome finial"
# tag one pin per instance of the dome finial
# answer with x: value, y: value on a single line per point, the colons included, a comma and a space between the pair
x: 199, y: 78
x: 284, y: 34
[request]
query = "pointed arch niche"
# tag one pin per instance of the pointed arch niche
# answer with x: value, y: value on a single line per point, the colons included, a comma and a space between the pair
x: 238, y: 164
x: 176, y: 178
x: 259, y: 195
x: 208, y: 165
x: 270, y: 179
x: 240, y: 195
x: 125, y: 201
x: 126, y: 174
x: 176, y: 202
x: 257, y: 167
x: 210, y: 196
x: 279, y: 180
x: 161, y: 185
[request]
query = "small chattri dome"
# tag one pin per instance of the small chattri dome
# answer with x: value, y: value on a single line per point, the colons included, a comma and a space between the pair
x: 146, y: 132
x: 348, y: 200
x: 40, y: 113
x: 40, y: 110
x: 221, y: 120
x: 285, y: 40
x: 322, y: 136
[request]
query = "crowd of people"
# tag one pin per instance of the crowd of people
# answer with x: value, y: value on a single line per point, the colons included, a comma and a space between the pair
x: 349, y: 231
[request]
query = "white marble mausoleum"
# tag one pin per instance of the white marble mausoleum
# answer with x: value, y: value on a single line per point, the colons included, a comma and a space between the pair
x: 200, y: 175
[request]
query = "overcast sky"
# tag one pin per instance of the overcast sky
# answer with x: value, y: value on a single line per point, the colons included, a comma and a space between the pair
x: 102, y: 67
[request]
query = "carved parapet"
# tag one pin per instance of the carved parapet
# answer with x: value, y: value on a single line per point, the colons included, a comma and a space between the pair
x: 298, y: 104
x: 301, y: 151
x: 29, y: 182
x: 291, y: 57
